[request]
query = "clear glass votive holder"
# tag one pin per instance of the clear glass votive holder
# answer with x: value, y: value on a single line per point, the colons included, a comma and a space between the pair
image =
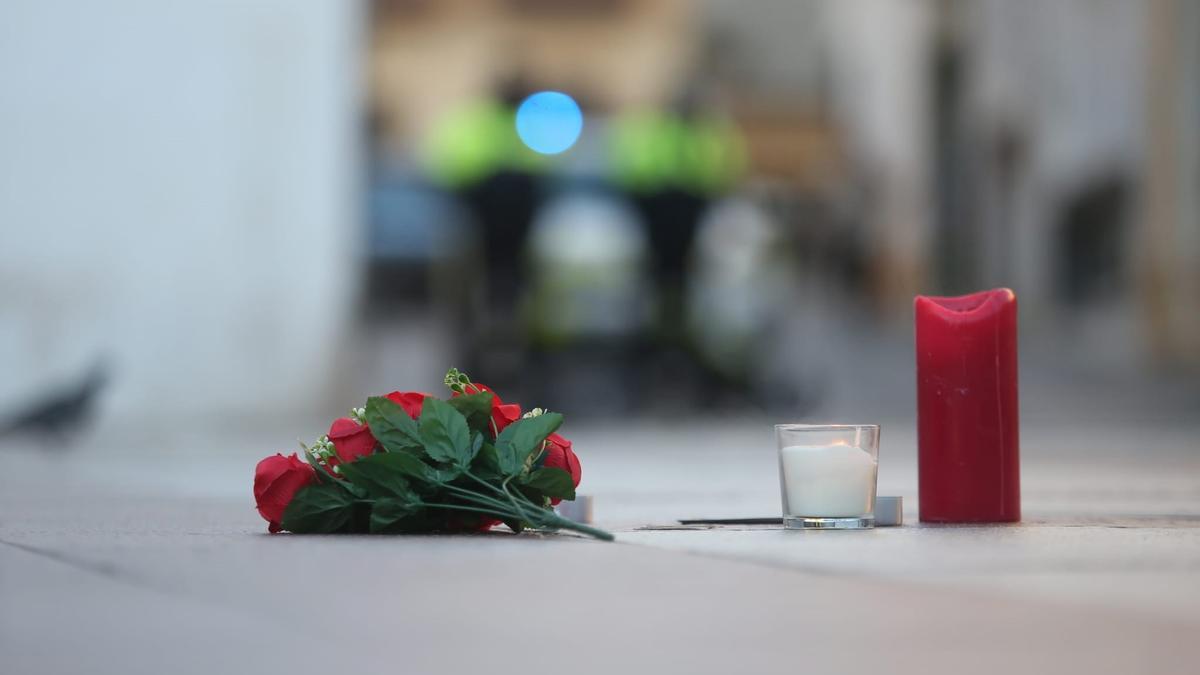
x: 827, y: 475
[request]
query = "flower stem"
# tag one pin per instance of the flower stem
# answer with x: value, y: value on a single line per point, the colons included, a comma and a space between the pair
x: 482, y: 482
x: 537, y: 517
x: 557, y: 522
x: 477, y: 498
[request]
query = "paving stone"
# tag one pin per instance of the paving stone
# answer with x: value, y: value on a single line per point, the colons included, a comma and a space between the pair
x: 145, y: 556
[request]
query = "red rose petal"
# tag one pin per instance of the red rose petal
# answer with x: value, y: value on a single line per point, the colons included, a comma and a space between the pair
x: 409, y: 400
x: 351, y: 439
x: 276, y: 480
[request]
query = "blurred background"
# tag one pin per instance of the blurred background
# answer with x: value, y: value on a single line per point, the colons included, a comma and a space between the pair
x: 266, y: 210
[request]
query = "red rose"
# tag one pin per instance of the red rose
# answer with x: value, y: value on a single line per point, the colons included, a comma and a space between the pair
x: 276, y: 480
x: 351, y: 439
x: 560, y: 456
x: 503, y: 414
x: 409, y: 400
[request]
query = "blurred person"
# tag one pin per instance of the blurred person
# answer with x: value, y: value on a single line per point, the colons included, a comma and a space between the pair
x: 738, y: 303
x: 673, y: 164
x: 475, y: 154
x: 587, y: 302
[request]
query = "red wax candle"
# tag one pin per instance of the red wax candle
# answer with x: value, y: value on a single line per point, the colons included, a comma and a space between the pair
x: 968, y: 466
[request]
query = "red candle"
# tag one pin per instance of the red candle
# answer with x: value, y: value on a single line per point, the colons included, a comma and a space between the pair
x: 968, y: 466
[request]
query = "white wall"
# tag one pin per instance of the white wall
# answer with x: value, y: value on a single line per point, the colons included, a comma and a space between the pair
x: 1070, y: 76
x: 878, y: 53
x: 177, y: 191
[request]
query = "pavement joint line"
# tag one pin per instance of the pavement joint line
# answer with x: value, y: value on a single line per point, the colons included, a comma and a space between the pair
x: 102, y: 569
x: 941, y: 583
x: 801, y: 568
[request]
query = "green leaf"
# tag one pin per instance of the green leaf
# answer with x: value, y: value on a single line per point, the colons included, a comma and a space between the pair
x: 378, y: 479
x: 319, y: 509
x: 355, y: 491
x: 521, y: 438
x: 477, y: 408
x: 388, y: 469
x: 487, y: 463
x: 552, y: 482
x: 391, y: 426
x: 390, y: 513
x: 445, y: 434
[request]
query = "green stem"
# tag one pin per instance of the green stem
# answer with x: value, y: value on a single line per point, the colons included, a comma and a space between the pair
x: 482, y: 482
x: 503, y: 489
x: 500, y: 507
x: 556, y: 521
x: 511, y: 498
x: 564, y: 524
x: 514, y: 498
x: 536, y: 516
x: 520, y: 511
x: 462, y: 507
x: 477, y: 498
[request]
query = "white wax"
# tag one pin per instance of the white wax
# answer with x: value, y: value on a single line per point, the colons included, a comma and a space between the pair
x: 828, y: 481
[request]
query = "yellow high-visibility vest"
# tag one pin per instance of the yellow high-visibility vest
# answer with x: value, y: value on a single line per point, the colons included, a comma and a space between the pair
x: 476, y: 141
x: 651, y: 151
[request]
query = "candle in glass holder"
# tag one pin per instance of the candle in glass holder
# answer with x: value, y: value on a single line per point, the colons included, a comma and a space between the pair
x: 836, y: 481
x: 827, y: 475
x: 968, y: 464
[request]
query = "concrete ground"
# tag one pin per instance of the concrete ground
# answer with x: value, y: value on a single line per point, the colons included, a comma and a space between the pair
x: 140, y: 552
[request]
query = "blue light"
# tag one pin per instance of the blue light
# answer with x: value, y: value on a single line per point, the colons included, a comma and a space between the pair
x: 549, y: 122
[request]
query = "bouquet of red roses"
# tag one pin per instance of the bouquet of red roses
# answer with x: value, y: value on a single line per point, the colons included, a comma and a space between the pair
x: 409, y: 462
